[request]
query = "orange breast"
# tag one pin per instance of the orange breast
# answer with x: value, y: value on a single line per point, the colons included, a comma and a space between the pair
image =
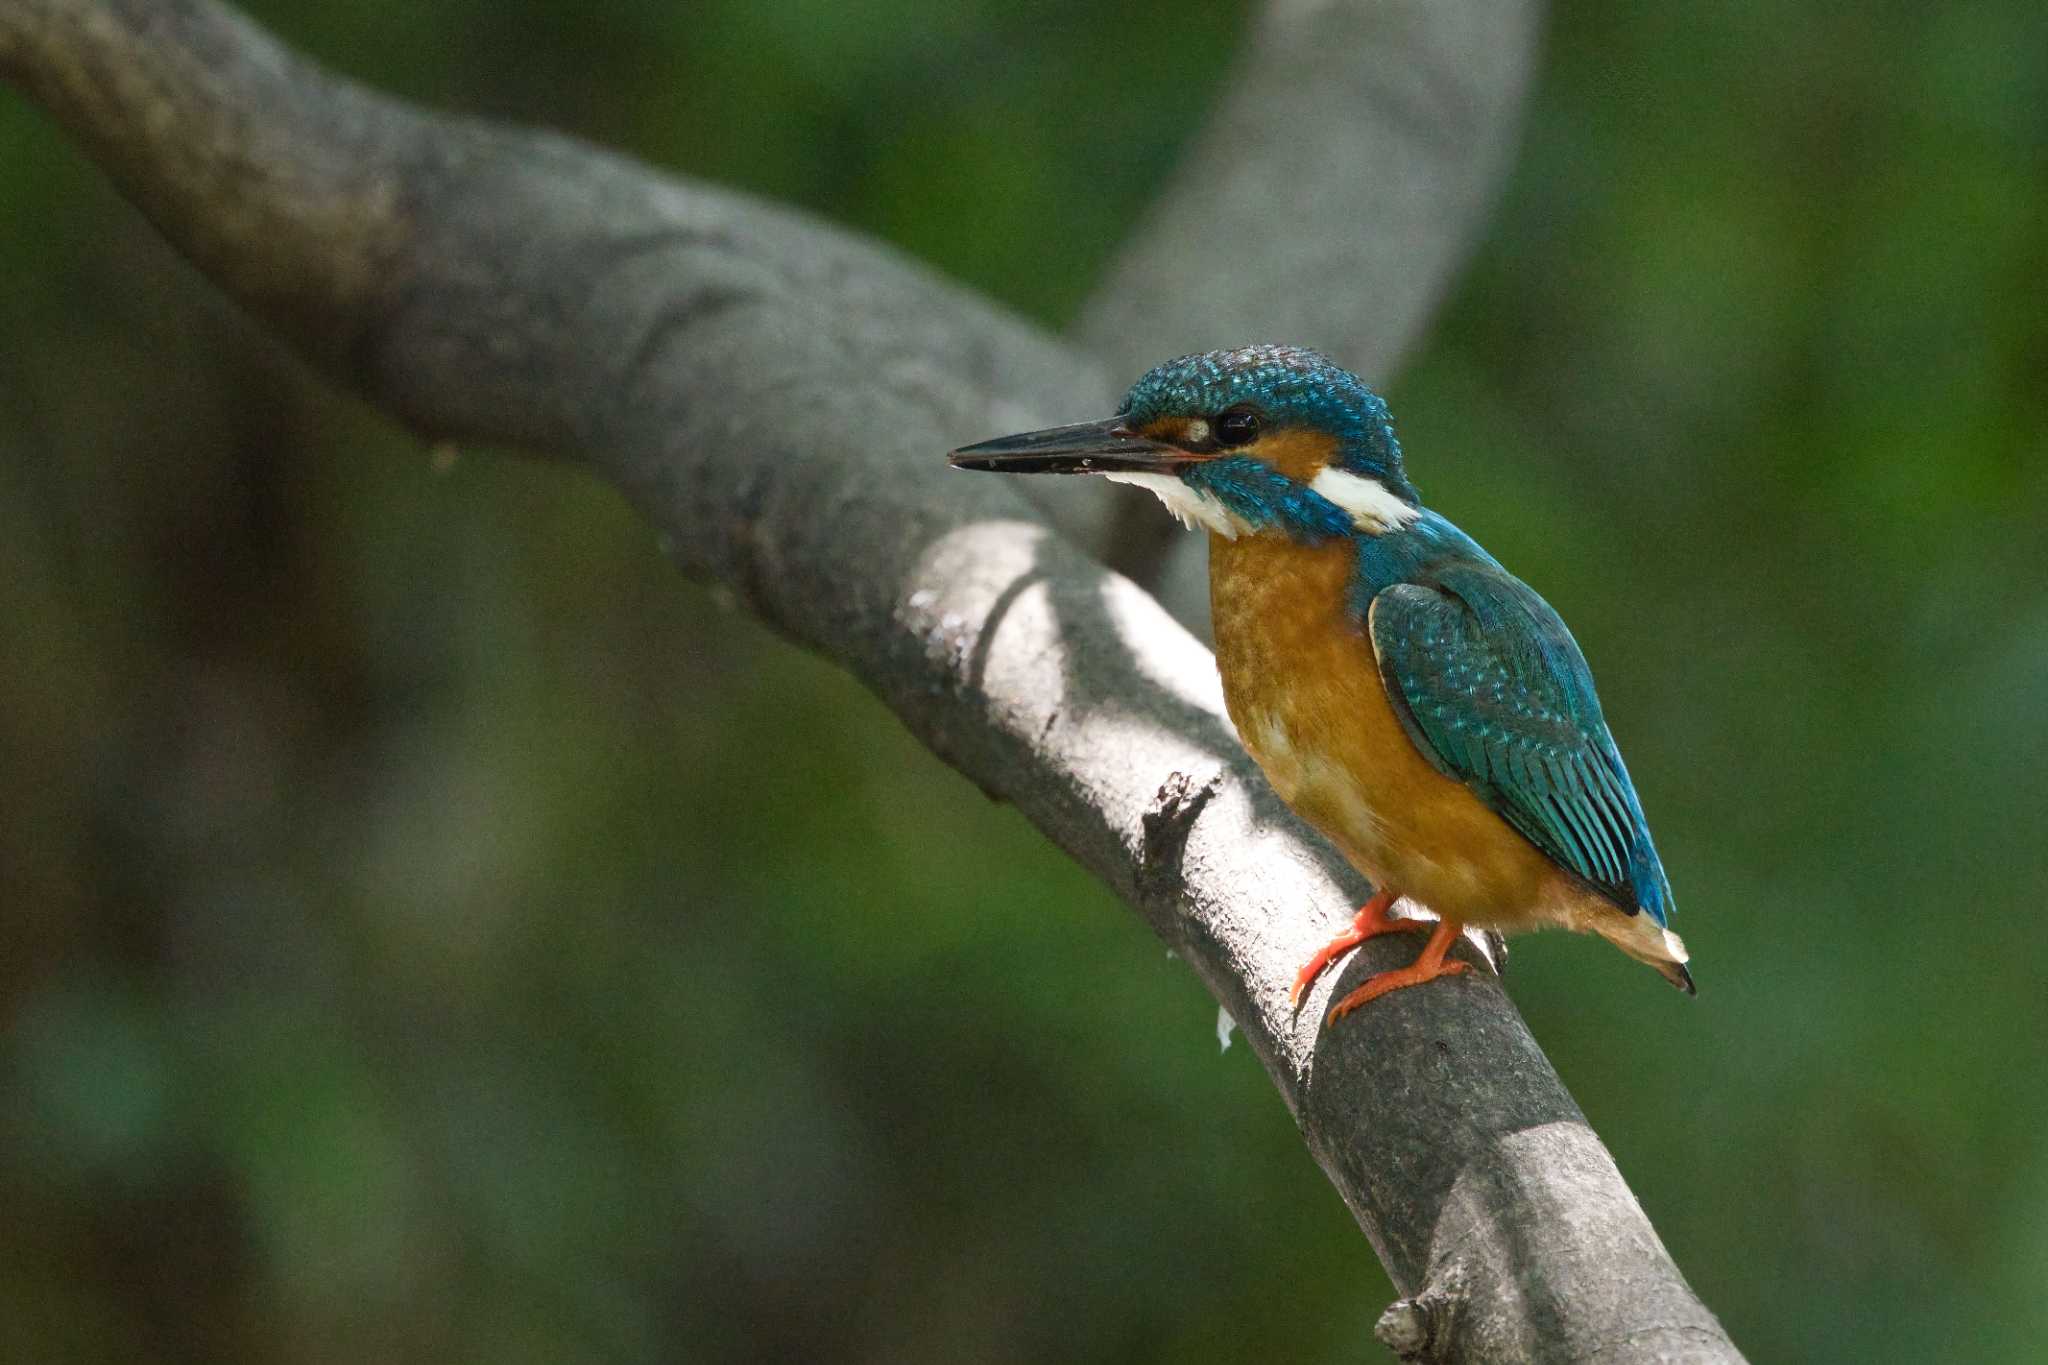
x: 1303, y: 687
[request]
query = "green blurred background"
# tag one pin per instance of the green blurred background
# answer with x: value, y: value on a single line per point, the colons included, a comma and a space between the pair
x: 433, y: 930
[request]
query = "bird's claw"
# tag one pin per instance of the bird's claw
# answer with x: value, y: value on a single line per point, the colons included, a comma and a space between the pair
x: 1371, y: 921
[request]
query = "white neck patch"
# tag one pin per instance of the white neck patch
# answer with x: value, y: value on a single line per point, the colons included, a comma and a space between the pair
x: 1194, y: 507
x: 1373, y: 507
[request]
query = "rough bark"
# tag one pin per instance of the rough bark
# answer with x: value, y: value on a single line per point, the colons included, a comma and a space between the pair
x: 736, y: 368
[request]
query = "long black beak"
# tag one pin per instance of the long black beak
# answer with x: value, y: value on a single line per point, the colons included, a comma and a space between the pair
x: 1104, y: 447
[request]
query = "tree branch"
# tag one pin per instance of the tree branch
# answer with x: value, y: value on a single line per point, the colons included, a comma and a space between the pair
x: 1334, y: 190
x: 775, y: 398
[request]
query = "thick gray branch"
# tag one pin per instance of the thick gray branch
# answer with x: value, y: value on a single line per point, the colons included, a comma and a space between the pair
x: 776, y: 398
x: 1332, y: 195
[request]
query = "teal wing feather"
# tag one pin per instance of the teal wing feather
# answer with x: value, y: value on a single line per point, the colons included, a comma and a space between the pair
x: 1493, y: 690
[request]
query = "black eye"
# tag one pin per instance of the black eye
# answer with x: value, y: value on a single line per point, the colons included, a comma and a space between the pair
x: 1235, y: 427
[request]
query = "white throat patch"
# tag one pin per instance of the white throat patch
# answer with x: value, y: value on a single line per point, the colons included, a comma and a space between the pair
x: 1194, y: 507
x: 1372, y: 506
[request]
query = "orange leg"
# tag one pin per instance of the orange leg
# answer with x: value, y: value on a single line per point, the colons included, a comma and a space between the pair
x: 1428, y: 967
x: 1372, y: 921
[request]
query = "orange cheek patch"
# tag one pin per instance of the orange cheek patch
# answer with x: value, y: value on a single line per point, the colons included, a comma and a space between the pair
x: 1299, y: 454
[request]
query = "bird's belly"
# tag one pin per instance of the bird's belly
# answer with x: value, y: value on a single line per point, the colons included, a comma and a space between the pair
x: 1303, y: 687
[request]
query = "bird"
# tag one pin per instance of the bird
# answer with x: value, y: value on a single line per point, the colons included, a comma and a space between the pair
x: 1421, y: 707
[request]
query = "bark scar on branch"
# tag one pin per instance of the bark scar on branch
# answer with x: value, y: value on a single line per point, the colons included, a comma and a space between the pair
x: 1168, y: 824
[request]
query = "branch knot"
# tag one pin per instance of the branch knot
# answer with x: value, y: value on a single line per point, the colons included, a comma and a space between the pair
x: 1413, y: 1329
x: 1167, y: 824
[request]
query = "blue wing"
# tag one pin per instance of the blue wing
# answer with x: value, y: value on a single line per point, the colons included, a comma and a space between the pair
x: 1492, y: 689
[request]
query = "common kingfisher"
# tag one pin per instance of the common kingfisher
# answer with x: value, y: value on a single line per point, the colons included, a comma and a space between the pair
x: 1410, y: 698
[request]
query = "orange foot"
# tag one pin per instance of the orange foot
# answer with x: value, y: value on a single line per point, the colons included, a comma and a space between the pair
x: 1372, y: 921
x: 1428, y: 967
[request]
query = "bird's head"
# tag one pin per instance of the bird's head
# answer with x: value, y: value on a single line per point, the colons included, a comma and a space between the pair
x: 1263, y: 439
